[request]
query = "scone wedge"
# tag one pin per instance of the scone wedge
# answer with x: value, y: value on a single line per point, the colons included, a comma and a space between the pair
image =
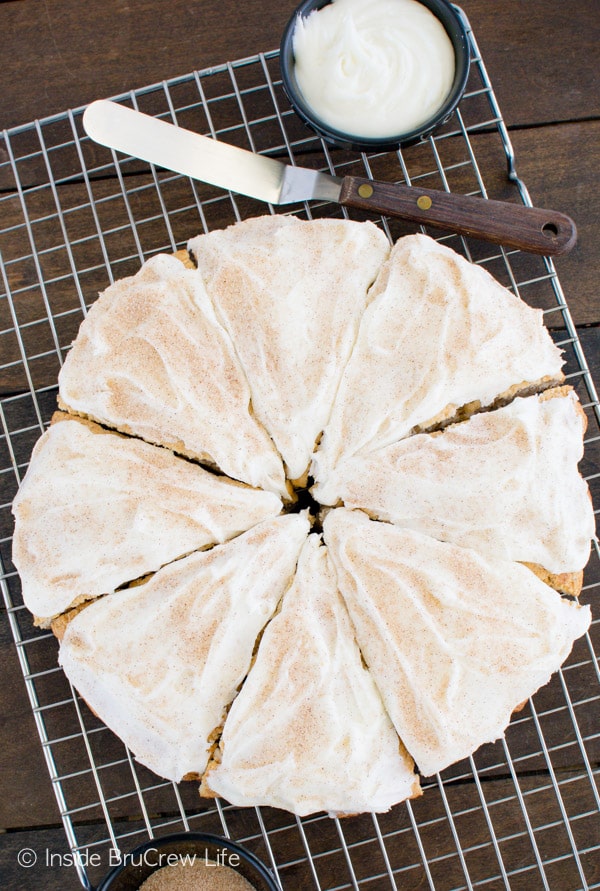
x: 308, y: 731
x: 440, y: 337
x: 151, y: 359
x: 291, y: 294
x: 504, y: 482
x: 455, y: 641
x: 125, y: 507
x: 159, y: 663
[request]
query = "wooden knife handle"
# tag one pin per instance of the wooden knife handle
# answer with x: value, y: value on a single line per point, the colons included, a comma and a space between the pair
x: 526, y: 228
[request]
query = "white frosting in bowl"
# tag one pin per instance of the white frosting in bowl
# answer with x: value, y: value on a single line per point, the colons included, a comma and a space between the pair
x: 377, y: 69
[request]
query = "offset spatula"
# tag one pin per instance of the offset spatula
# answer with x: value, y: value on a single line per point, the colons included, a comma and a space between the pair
x: 266, y: 179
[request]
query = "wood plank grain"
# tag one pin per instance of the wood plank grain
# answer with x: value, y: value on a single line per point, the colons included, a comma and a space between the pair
x: 542, y: 57
x: 543, y: 60
x: 501, y: 826
x: 560, y: 167
x: 57, y: 57
x: 28, y: 797
x: 49, y: 847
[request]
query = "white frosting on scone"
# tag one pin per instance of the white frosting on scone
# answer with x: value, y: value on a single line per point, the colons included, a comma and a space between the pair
x: 160, y: 663
x: 152, y: 359
x: 97, y: 510
x: 504, y: 482
x: 438, y: 333
x: 308, y: 350
x: 454, y: 640
x: 308, y: 731
x: 291, y: 294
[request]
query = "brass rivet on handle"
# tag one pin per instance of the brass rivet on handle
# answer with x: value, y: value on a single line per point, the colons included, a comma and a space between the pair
x: 365, y: 190
x: 424, y: 202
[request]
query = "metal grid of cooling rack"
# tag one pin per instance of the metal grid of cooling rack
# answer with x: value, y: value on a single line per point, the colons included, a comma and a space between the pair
x: 521, y: 814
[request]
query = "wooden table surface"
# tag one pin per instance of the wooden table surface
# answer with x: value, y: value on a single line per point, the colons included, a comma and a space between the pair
x: 543, y: 59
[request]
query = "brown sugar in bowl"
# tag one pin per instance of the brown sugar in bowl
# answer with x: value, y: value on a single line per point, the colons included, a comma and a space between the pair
x: 146, y: 860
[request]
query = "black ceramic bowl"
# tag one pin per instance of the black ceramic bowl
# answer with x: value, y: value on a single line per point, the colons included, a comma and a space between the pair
x: 140, y: 863
x: 455, y: 28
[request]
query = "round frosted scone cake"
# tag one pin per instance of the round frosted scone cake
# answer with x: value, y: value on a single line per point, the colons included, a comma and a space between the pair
x: 309, y: 522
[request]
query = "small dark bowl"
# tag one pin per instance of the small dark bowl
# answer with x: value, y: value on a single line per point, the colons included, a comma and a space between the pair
x: 140, y: 863
x: 455, y: 28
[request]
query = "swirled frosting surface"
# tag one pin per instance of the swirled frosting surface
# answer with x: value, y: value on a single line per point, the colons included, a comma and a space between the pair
x: 160, y: 663
x: 376, y: 69
x: 291, y: 294
x: 295, y: 339
x: 455, y: 641
x: 504, y: 482
x: 438, y: 333
x: 125, y: 507
x: 308, y: 731
x: 152, y: 359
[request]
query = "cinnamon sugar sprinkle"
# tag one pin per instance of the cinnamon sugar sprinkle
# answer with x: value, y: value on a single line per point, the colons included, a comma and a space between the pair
x: 201, y: 875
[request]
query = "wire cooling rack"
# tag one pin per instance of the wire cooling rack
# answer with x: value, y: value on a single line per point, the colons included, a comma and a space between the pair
x: 520, y: 814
